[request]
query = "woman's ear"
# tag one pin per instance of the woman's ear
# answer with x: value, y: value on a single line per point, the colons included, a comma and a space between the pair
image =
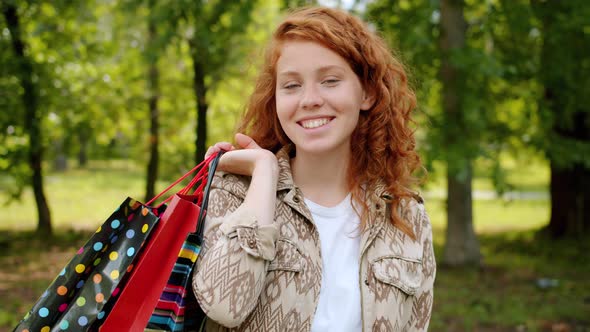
x: 368, y: 100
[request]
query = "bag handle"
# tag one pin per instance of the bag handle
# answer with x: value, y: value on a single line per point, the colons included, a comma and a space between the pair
x: 205, y: 199
x: 202, y: 167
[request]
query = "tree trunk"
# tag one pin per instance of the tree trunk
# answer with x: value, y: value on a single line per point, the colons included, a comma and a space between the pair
x: 200, y: 90
x: 32, y: 117
x: 570, y: 201
x: 565, y: 100
x: 461, y: 245
x: 154, y: 90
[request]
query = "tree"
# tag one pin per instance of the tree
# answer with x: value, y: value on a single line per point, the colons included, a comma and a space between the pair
x: 564, y: 73
x: 461, y: 245
x: 154, y: 93
x: 285, y: 4
x: 32, y: 116
x: 215, y: 30
x: 452, y: 72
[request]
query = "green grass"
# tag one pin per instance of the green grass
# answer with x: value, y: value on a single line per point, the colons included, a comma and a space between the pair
x: 528, y: 174
x: 493, y: 216
x: 79, y: 198
x: 505, y: 296
x: 28, y: 263
x: 502, y: 296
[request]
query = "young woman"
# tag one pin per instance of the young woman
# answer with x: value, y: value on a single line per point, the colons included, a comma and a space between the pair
x: 312, y: 225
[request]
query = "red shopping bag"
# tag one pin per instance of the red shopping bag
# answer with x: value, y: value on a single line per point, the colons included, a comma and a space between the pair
x: 135, y: 304
x: 178, y: 309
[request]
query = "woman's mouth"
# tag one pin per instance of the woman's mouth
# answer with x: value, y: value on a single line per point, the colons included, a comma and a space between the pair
x: 314, y: 123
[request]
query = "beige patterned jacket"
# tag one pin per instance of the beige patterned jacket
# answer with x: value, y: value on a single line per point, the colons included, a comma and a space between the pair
x: 267, y: 278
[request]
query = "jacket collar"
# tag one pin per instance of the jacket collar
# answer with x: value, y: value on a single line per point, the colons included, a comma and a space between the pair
x: 285, y: 181
x: 377, y: 199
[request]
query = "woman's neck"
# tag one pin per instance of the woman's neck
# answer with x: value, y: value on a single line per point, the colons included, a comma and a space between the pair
x: 322, y: 179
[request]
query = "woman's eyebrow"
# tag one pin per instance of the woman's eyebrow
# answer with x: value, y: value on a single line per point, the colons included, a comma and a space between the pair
x: 288, y: 73
x: 321, y: 70
x: 324, y: 69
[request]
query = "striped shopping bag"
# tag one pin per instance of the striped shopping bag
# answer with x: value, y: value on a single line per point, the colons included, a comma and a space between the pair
x: 177, y: 297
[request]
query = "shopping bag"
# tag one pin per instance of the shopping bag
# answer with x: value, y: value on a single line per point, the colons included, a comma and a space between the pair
x: 177, y: 298
x: 77, y: 296
x: 136, y: 302
x: 82, y: 295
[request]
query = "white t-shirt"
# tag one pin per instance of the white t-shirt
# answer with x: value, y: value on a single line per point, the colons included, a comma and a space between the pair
x: 339, y: 306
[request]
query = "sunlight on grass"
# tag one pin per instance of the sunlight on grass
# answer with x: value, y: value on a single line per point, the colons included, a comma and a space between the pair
x: 79, y: 198
x: 528, y: 174
x: 83, y: 198
x: 496, y: 215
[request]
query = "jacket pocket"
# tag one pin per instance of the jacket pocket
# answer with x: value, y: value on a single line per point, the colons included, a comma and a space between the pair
x: 288, y: 257
x: 401, y: 272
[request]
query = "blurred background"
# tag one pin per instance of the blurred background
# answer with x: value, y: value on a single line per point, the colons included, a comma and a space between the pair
x: 104, y: 99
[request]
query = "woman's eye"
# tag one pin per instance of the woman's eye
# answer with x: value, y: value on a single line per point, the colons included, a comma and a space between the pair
x: 290, y: 86
x: 331, y: 81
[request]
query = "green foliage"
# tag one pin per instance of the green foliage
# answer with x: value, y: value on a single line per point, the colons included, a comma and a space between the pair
x: 90, y: 58
x: 58, y: 40
x: 564, y: 111
x: 498, y: 97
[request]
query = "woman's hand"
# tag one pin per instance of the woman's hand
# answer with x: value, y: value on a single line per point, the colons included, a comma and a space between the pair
x: 261, y: 164
x: 245, y: 160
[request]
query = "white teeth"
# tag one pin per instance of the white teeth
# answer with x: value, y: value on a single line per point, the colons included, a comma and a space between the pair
x: 310, y: 124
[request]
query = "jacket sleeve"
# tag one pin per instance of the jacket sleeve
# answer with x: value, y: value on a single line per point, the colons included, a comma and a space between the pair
x: 231, y: 269
x: 423, y: 299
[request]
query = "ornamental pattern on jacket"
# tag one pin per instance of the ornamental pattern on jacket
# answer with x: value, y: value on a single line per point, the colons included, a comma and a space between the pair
x: 267, y: 278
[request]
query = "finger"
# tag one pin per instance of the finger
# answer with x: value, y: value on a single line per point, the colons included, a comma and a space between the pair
x: 246, y: 142
x: 212, y: 150
x: 217, y: 147
x: 226, y: 146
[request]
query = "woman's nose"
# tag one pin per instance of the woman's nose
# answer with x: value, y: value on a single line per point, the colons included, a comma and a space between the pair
x: 311, y: 97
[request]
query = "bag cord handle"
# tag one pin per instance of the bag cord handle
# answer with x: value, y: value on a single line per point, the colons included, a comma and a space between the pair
x: 205, y: 199
x: 202, y: 166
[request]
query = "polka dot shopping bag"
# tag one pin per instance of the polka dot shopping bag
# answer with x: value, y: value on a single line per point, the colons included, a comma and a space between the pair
x: 77, y: 297
x: 87, y: 289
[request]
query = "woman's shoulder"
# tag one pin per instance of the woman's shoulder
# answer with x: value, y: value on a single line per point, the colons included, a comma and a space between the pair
x: 413, y: 203
x: 413, y: 211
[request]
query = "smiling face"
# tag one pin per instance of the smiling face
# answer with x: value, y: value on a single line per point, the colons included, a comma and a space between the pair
x: 318, y: 98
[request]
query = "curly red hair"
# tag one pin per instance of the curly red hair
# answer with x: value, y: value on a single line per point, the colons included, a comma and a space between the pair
x: 383, y: 144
